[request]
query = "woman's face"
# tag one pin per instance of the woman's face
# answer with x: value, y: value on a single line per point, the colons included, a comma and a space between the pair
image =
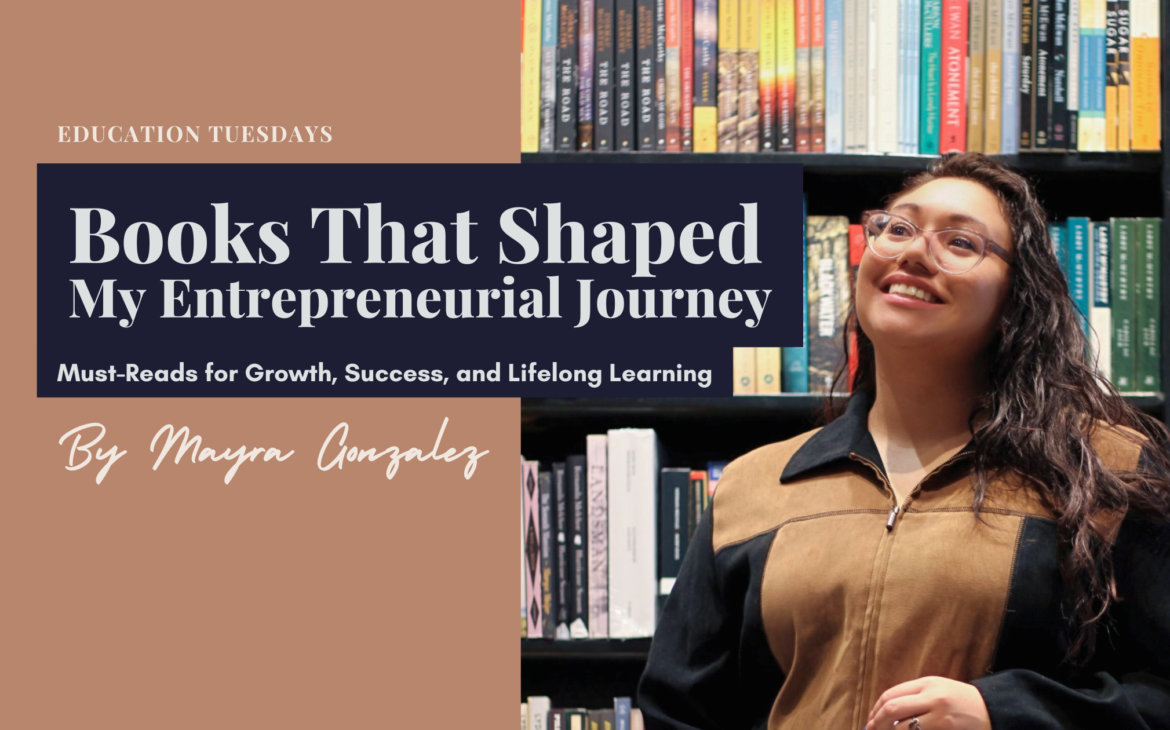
x: 963, y: 314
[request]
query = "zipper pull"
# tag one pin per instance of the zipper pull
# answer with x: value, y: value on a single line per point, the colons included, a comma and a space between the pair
x: 893, y: 513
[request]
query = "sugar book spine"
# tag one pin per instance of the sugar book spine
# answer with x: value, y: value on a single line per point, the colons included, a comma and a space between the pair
x: 1102, y: 319
x: 626, y: 91
x: 828, y: 297
x: 953, y: 127
x: 564, y: 520
x: 1027, y: 72
x: 748, y: 114
x: 1148, y: 289
x: 834, y: 77
x: 803, y: 76
x: 647, y: 140
x: 578, y: 548
x: 1124, y: 87
x: 993, y: 79
x: 687, y: 75
x: 567, y: 70
x: 660, y: 75
x: 548, y: 76
x: 595, y: 458
x: 530, y: 77
x: 817, y: 75
x: 706, y: 77
x: 533, y: 549
x: 603, y: 87
x: 585, y: 58
x: 786, y: 75
x: 1144, y: 78
x: 1121, y: 272
x: 1111, y: 75
x: 1010, y: 136
x: 1078, y: 249
x: 931, y: 68
x: 1059, y: 90
x: 548, y: 556
x: 728, y: 75
x: 768, y: 75
x: 1042, y: 108
x: 673, y: 78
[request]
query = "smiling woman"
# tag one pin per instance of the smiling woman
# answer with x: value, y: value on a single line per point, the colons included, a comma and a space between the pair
x: 978, y: 539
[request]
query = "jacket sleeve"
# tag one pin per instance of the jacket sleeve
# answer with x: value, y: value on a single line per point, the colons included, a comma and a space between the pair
x: 1130, y: 684
x: 689, y: 680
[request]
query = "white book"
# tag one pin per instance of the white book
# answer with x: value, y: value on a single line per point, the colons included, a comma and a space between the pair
x: 903, y: 75
x: 913, y: 73
x: 887, y: 76
x: 538, y: 708
x: 596, y: 459
x: 834, y: 77
x: 871, y: 84
x: 1073, y: 49
x: 1009, y: 142
x: 1100, y: 312
x: 850, y: 73
x: 632, y: 471
x: 523, y: 716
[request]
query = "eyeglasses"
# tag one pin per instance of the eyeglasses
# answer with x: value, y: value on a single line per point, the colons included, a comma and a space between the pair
x: 953, y: 250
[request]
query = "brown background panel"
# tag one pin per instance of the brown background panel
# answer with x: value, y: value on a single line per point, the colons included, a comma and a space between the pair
x: 291, y: 597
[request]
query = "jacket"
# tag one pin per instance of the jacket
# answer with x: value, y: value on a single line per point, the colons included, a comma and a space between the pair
x: 806, y: 593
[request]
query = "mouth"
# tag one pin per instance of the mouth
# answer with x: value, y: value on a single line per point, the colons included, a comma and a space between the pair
x: 907, y: 291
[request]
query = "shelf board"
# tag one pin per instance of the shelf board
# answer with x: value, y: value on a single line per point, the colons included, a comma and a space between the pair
x: 599, y: 649
x: 1149, y: 162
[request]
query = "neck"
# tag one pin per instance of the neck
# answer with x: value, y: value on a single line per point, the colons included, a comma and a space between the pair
x: 922, y: 400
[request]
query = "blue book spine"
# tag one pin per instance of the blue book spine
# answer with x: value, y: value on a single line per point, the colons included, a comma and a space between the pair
x: 794, y: 378
x: 1078, y: 266
x: 834, y: 76
x: 621, y: 711
x: 929, y: 77
x: 914, y: 56
x: 1010, y: 99
x: 903, y: 102
x: 1056, y: 232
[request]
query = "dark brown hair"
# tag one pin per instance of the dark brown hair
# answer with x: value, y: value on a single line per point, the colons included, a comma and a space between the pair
x: 1045, y: 402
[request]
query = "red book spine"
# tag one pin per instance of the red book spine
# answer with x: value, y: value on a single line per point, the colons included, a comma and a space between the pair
x: 673, y: 78
x: 953, y: 122
x: 687, y: 63
x: 817, y: 74
x: 803, y: 78
x: 856, y: 251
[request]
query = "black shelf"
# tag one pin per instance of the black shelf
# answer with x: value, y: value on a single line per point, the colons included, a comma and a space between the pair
x: 576, y: 649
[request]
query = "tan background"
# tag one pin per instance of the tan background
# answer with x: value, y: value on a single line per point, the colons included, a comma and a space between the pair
x: 290, y: 598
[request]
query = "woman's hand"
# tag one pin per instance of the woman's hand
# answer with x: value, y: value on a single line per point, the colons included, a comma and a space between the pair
x: 937, y: 702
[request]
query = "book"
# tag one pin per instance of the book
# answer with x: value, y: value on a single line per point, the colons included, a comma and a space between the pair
x: 538, y: 711
x: 1027, y: 98
x: 993, y: 79
x: 953, y: 120
x: 687, y: 75
x: 1010, y: 136
x: 1042, y: 98
x: 1124, y: 85
x: 1073, y: 76
x: 548, y: 76
x: 1147, y: 291
x: 828, y: 297
x: 743, y: 367
x: 621, y: 708
x: 1101, y: 320
x: 596, y: 464
x: 795, y: 359
x: 523, y: 551
x: 567, y: 71
x: 977, y: 40
x: 728, y: 91
x: 625, y: 134
x: 1145, y: 79
x: 562, y: 526
x: 660, y: 75
x: 768, y: 369
x: 817, y: 74
x: 748, y: 114
x: 1112, y: 45
x: 768, y: 65
x: 706, y: 77
x: 1092, y: 100
x: 603, y: 86
x: 636, y: 721
x: 1078, y: 257
x: 644, y: 53
x: 578, y: 548
x: 856, y: 251
x: 699, y: 497
x: 887, y: 78
x: 585, y: 52
x: 803, y: 76
x: 913, y: 69
x: 673, y: 537
x: 523, y: 716
x: 530, y: 51
x: 633, y: 501
x: 786, y: 75
x: 673, y: 77
x: 549, y: 575
x: 1059, y: 124
x: 714, y: 474
x: 533, y: 548
x: 1124, y: 311
x: 930, y: 89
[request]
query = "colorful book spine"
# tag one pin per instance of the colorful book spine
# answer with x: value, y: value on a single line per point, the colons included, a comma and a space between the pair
x: 1111, y: 74
x: 786, y: 75
x: 644, y: 50
x: 1056, y: 232
x: 1145, y: 65
x: 1092, y: 132
x: 603, y: 87
x: 660, y: 75
x: 953, y: 125
x: 1010, y: 118
x: 1059, y: 89
x: 1074, y: 72
x: 993, y: 79
x: 714, y: 474
x: 817, y: 74
x: 1121, y: 272
x: 1042, y: 104
x: 596, y: 464
x: 1124, y: 78
x: 548, y: 76
x: 578, y: 547
x: 1027, y: 99
x: 856, y: 251
x: 561, y: 542
x: 768, y: 370
x: 547, y: 590
x: 523, y: 548
x: 687, y: 75
x: 977, y: 40
x: 743, y: 370
x: 903, y: 65
x: 828, y: 297
x: 566, y: 139
x: 748, y: 114
x: 728, y: 75
x: 625, y: 137
x: 706, y: 77
x: 1147, y: 241
x: 673, y: 77
x: 834, y: 76
x: 1078, y: 255
x: 803, y: 76
x: 530, y: 77
x: 931, y: 89
x: 768, y: 75
x: 585, y: 51
x: 698, y: 497
x: 795, y: 359
x: 1101, y: 319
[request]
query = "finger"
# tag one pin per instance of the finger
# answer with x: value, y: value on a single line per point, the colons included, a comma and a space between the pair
x: 914, y: 686
x: 900, y: 708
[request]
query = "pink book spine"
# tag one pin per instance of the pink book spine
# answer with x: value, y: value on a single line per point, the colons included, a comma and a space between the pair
x: 953, y: 122
x: 532, y: 548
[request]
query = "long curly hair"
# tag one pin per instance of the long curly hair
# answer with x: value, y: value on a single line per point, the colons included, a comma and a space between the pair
x: 1045, y: 401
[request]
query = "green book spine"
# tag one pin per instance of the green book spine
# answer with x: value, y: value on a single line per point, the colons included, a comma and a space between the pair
x: 1121, y: 275
x: 931, y: 68
x: 1147, y: 236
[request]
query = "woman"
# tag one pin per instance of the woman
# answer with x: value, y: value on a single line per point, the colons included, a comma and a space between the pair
x: 979, y: 541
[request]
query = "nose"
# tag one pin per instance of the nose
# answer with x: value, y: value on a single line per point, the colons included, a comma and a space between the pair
x: 917, y: 252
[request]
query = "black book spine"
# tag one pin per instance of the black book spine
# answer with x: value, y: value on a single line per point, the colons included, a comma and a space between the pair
x: 548, y: 555
x: 660, y: 75
x: 1060, y: 79
x: 579, y: 532
x: 644, y: 40
x: 564, y: 574
x: 625, y: 84
x: 603, y: 106
x: 1027, y: 71
x: 567, y: 76
x: 1042, y: 111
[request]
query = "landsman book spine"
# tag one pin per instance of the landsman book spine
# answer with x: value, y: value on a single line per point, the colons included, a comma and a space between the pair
x: 687, y: 75
x: 549, y: 577
x: 603, y: 28
x: 768, y: 75
x: 530, y: 78
x: 585, y: 49
x: 828, y: 297
x: 749, y: 76
x: 786, y: 75
x: 931, y: 90
x: 567, y: 76
x: 1121, y: 273
x: 803, y: 77
x: 548, y: 77
x: 706, y: 77
x: 673, y: 78
x: 1059, y: 89
x: 564, y: 520
x: 579, y: 549
x: 660, y: 75
x: 595, y: 459
x: 728, y: 99
x: 1027, y: 97
x: 625, y: 135
x: 1042, y: 106
x: 1147, y: 239
x: 645, y: 56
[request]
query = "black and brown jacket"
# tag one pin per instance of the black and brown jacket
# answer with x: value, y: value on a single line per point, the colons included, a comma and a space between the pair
x: 807, y: 592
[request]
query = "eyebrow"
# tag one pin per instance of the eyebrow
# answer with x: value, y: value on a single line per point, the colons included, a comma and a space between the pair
x: 953, y: 217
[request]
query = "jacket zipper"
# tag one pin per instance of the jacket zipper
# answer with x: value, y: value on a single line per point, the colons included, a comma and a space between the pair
x: 895, y: 508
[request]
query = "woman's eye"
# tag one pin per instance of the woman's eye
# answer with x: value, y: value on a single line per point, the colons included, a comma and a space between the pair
x: 899, y: 229
x: 962, y: 243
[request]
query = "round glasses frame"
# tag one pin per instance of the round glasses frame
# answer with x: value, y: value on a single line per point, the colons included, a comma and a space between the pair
x: 932, y: 240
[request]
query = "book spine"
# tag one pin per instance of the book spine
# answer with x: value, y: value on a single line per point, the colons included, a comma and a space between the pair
x: 903, y: 75
x: 993, y: 79
x: 706, y: 77
x: 1101, y: 315
x: 1073, y: 77
x: 548, y: 75
x: 672, y: 529
x: 621, y: 708
x: 856, y: 252
x: 1059, y: 89
x: 687, y: 75
x: 523, y: 550
x: 1145, y: 55
x: 660, y: 75
x: 1093, y: 134
x: 743, y: 368
x: 786, y: 75
x: 849, y: 74
x: 1010, y: 134
x: 1057, y: 232
x: 795, y: 359
x: 871, y: 84
x: 530, y: 76
x: 953, y: 125
x: 768, y: 75
x: 861, y: 78
x: 768, y: 370
x: 633, y: 474
x: 698, y: 492
x: 1147, y: 240
x: 748, y: 113
x: 673, y: 77
x: 1079, y: 282
x: 1042, y: 106
x: 644, y: 51
x: 914, y: 77
x: 803, y: 76
x: 828, y: 297
x: 625, y: 135
x: 1124, y: 86
x: 728, y: 75
x: 931, y: 91
x: 834, y: 77
x: 585, y: 51
x: 548, y: 557
x: 564, y: 520
x: 1121, y: 274
x: 578, y: 548
x: 533, y: 549
x: 1111, y: 74
x: 538, y: 711
x: 603, y: 27
x: 566, y: 139
x: 977, y: 39
x: 595, y: 462
x: 887, y: 77
x: 1027, y: 73
x: 817, y: 74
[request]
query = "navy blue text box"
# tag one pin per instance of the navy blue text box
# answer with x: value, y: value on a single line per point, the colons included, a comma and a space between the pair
x: 226, y: 336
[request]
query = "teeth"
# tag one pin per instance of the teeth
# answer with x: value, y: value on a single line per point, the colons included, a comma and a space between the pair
x: 912, y: 291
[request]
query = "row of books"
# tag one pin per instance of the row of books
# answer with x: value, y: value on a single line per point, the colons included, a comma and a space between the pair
x: 539, y: 714
x: 600, y: 547
x: 1113, y: 270
x: 840, y: 76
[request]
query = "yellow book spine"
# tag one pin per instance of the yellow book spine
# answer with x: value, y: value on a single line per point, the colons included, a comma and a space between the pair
x: 1146, y: 99
x: 743, y: 366
x: 728, y: 62
x: 530, y: 79
x: 706, y: 129
x: 767, y: 369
